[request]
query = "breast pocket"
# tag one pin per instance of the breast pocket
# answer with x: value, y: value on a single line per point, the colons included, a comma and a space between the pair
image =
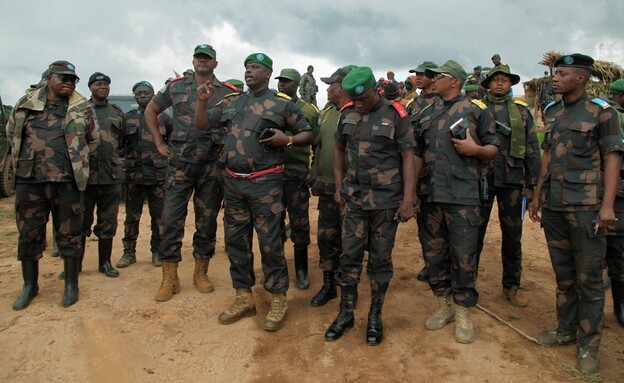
x: 514, y: 171
x: 581, y: 187
x: 580, y: 135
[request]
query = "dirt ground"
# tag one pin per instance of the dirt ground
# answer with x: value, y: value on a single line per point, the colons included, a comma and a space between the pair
x: 118, y: 333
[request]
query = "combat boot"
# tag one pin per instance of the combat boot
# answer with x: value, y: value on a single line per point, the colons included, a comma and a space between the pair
x: 156, y: 259
x: 374, y: 329
x: 277, y: 315
x: 443, y: 315
x: 301, y: 267
x: 128, y: 258
x: 105, y: 249
x: 345, y: 318
x: 558, y: 337
x: 170, y: 284
x: 200, y: 276
x: 30, y: 274
x: 464, y: 333
x: 423, y: 275
x: 617, y: 290
x: 327, y: 292
x: 588, y: 359
x: 515, y: 296
x: 243, y: 306
x: 72, y: 268
x: 83, y: 240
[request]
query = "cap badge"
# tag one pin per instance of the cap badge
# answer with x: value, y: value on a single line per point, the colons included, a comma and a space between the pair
x: 70, y: 67
x: 260, y: 57
x: 359, y: 89
x: 568, y: 60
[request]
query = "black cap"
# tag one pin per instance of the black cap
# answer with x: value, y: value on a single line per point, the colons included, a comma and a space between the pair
x: 575, y: 60
x: 98, y: 76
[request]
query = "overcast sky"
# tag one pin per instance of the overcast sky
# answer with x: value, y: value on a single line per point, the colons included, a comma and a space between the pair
x: 146, y: 40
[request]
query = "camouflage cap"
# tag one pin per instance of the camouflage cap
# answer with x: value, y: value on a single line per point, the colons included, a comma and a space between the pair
x: 617, y: 86
x: 451, y: 67
x: 358, y: 81
x: 502, y: 70
x: 289, y: 74
x: 337, y: 76
x: 423, y: 66
x: 471, y: 88
x: 235, y: 82
x: 205, y: 49
x: 495, y: 56
x: 576, y: 60
x: 142, y: 83
x: 259, y: 58
x: 62, y: 67
x: 98, y: 76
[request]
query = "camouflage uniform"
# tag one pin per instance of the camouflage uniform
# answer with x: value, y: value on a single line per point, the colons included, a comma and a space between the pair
x: 449, y: 192
x: 255, y: 202
x: 308, y: 88
x: 615, y: 235
x: 193, y: 169
x: 476, y: 80
x: 419, y: 103
x: 145, y: 176
x: 577, y: 136
x: 373, y: 189
x: 506, y: 176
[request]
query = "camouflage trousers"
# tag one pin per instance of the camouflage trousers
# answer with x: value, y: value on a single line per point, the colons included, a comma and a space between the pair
x: 615, y: 245
x: 509, y: 201
x: 106, y: 198
x: 136, y: 195
x: 296, y: 199
x: 577, y: 256
x: 448, y: 233
x: 374, y: 230
x: 205, y: 183
x: 249, y: 204
x: 329, y: 233
x: 33, y: 205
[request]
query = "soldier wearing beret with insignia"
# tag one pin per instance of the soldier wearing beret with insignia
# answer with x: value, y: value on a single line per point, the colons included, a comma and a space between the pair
x: 254, y: 125
x: 471, y: 91
x: 453, y: 136
x: 193, y: 170
x: 374, y: 143
x: 511, y: 176
x: 576, y: 190
x: 475, y: 79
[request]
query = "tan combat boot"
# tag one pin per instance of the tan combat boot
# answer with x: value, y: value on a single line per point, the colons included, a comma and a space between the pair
x: 444, y: 314
x: 464, y: 332
x: 277, y: 315
x: 515, y: 296
x: 200, y: 276
x: 243, y: 306
x: 170, y: 284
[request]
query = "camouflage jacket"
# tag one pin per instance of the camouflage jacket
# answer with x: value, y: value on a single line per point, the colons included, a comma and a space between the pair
x: 187, y: 143
x: 298, y: 157
x: 242, y: 117
x: 79, y: 126
x: 419, y: 103
x: 510, y: 171
x: 322, y: 168
x: 577, y: 136
x: 476, y: 80
x: 373, y: 145
x: 447, y: 176
x: 106, y: 167
x: 307, y: 86
x: 144, y: 164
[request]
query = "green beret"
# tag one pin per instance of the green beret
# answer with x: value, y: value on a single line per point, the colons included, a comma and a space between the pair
x: 205, y: 49
x: 235, y: 82
x: 423, y: 66
x: 478, y: 67
x: 503, y: 70
x: 289, y: 74
x: 142, y: 83
x: 259, y: 58
x: 617, y: 86
x: 575, y: 60
x: 496, y: 56
x: 471, y: 88
x: 358, y: 81
x: 451, y: 67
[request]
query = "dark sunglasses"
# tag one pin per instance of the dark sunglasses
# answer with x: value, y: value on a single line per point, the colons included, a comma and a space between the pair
x: 68, y: 78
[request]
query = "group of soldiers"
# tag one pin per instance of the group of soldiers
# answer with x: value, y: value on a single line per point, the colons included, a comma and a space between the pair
x: 373, y: 162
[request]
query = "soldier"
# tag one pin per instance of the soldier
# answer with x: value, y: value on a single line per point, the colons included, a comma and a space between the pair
x: 453, y: 137
x: 576, y: 189
x: 51, y: 131
x: 475, y: 79
x: 297, y: 177
x: 376, y: 142
x: 496, y: 60
x: 193, y: 169
x: 308, y: 86
x: 471, y: 92
x: 105, y: 175
x: 511, y: 177
x: 145, y: 174
x: 546, y: 94
x: 253, y: 156
x: 329, y: 231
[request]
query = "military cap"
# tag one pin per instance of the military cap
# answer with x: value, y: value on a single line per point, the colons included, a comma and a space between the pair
x: 502, y: 70
x: 391, y: 91
x: 142, y: 83
x: 205, y: 49
x: 62, y: 67
x: 470, y: 88
x: 259, y: 58
x: 98, y: 76
x: 358, y: 81
x: 235, y: 82
x: 451, y: 67
x: 349, y: 67
x: 495, y: 56
x: 478, y: 67
x: 423, y: 66
x: 337, y: 76
x: 289, y: 74
x: 575, y: 60
x: 617, y: 86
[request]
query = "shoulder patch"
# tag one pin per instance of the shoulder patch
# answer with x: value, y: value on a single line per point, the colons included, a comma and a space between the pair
x: 549, y: 105
x: 479, y: 103
x: 600, y: 102
x: 399, y: 108
x: 347, y: 105
x: 520, y: 102
x: 230, y: 86
x: 283, y: 95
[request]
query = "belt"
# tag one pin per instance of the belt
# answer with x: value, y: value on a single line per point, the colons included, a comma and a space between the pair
x: 252, y: 175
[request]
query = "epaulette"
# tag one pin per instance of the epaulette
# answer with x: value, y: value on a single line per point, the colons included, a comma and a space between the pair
x: 230, y: 86
x: 479, y: 103
x: 549, y: 105
x: 600, y: 102
x: 347, y: 105
x: 409, y: 103
x: 176, y: 79
x: 283, y: 95
x: 520, y: 102
x: 399, y: 108
x: 315, y: 107
x: 232, y: 94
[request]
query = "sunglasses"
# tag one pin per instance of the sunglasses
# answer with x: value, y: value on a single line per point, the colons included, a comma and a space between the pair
x: 68, y: 78
x: 441, y: 75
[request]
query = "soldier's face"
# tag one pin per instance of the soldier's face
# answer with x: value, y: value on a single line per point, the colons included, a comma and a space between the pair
x: 204, y: 64
x: 256, y: 75
x: 143, y: 95
x: 288, y: 86
x: 500, y: 85
x: 364, y: 103
x: 496, y: 61
x: 618, y: 98
x: 61, y: 85
x: 422, y: 81
x: 100, y: 90
x: 334, y: 93
x: 566, y: 80
x: 442, y: 84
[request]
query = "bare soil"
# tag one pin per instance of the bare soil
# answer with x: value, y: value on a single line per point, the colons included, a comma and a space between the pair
x: 118, y: 333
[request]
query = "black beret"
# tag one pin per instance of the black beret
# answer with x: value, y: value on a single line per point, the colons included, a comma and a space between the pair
x: 98, y: 76
x: 576, y: 60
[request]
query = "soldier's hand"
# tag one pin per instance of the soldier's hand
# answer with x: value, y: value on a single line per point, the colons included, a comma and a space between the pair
x: 405, y: 212
x: 534, y: 209
x: 528, y: 192
x: 606, y: 217
x: 467, y: 147
x: 338, y: 198
x: 205, y: 91
x: 277, y: 140
x: 307, y: 182
x: 164, y: 150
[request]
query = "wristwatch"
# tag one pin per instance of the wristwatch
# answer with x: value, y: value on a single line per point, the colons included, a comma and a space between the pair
x: 290, y: 142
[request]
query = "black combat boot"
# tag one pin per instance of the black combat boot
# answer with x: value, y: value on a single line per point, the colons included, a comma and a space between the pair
x: 345, y: 319
x: 70, y: 295
x: 83, y: 240
x: 423, y: 275
x: 617, y: 290
x: 374, y: 330
x: 327, y: 292
x: 30, y: 274
x: 105, y: 249
x: 301, y: 267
